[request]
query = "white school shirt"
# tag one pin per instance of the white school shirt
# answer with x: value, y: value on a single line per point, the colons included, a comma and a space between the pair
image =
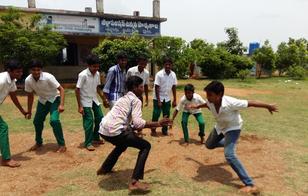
x: 134, y: 71
x: 7, y: 85
x: 87, y: 83
x: 45, y: 87
x: 165, y: 82
x: 228, y: 118
x: 184, y: 102
x: 126, y: 110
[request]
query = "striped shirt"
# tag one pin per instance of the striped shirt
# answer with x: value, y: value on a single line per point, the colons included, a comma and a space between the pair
x: 125, y: 111
x: 115, y: 83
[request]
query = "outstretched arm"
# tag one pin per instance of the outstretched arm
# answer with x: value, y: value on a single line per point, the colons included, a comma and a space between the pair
x: 195, y: 106
x: 62, y: 95
x: 80, y: 108
x: 270, y: 107
x: 146, y: 92
x: 174, y: 114
x: 17, y: 104
x: 174, y: 95
x: 30, y: 104
x: 103, y: 97
x: 163, y: 122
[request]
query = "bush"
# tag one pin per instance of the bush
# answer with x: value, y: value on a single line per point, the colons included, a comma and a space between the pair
x: 243, y: 74
x: 297, y: 72
x: 133, y: 46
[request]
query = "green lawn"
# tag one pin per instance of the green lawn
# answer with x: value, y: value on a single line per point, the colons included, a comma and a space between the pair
x: 289, y: 127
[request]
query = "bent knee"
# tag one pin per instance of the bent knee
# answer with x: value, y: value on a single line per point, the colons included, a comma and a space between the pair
x: 148, y: 146
x: 202, y: 124
x: 5, y: 128
x: 230, y: 157
x: 209, y: 146
x: 54, y: 122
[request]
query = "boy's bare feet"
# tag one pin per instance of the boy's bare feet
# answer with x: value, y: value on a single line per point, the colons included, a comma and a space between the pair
x: 61, y: 149
x: 185, y: 144
x: 10, y: 163
x: 35, y: 147
x: 202, y: 140
x: 138, y: 186
x: 90, y: 148
x: 249, y: 189
x: 101, y: 171
x: 97, y: 142
x: 153, y: 133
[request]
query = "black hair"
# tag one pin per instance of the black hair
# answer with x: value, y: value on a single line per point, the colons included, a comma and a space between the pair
x: 133, y: 81
x: 121, y: 55
x: 92, y: 59
x: 36, y: 63
x: 167, y: 60
x: 189, y: 87
x: 216, y: 87
x: 143, y: 58
x: 12, y: 64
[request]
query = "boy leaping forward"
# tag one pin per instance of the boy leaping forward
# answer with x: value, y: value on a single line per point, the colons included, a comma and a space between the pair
x: 227, y: 130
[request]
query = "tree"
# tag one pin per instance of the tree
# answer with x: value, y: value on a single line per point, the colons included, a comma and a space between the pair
x: 195, y: 52
x: 22, y: 38
x: 233, y: 44
x: 217, y: 64
x: 265, y: 57
x: 172, y: 47
x: 293, y: 53
x: 134, y: 46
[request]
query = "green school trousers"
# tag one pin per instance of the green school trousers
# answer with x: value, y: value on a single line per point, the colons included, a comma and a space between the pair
x: 184, y: 123
x: 166, y: 112
x: 4, y: 140
x: 41, y: 112
x: 90, y: 134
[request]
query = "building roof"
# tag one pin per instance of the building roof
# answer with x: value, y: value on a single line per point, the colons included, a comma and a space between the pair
x: 88, y: 14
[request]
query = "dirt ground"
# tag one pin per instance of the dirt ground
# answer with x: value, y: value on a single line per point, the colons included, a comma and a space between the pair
x: 37, y: 173
x: 45, y: 170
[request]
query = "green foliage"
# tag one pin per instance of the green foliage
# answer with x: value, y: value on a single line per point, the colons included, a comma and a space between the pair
x: 297, y: 72
x: 23, y: 39
x: 265, y: 57
x: 243, y: 74
x: 295, y: 52
x: 174, y: 48
x: 233, y: 44
x: 134, y: 46
x: 241, y: 62
x: 219, y: 63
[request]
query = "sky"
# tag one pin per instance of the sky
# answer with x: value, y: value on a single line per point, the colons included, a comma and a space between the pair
x: 256, y: 21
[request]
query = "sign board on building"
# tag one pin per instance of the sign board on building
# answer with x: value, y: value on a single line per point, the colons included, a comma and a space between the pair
x: 96, y: 25
x: 71, y: 24
x: 127, y: 27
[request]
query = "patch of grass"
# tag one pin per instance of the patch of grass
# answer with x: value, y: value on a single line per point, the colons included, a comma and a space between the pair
x: 70, y: 189
x: 296, y: 175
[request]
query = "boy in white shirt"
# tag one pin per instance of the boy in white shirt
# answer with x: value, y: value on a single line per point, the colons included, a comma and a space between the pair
x: 190, y: 98
x: 227, y: 130
x: 143, y: 73
x: 8, y: 87
x: 50, y: 100
x: 86, y: 93
x: 165, y: 82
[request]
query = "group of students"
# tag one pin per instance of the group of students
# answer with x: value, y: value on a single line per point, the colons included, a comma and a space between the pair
x: 123, y: 94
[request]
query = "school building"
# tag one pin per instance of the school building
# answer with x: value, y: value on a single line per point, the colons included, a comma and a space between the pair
x: 84, y: 31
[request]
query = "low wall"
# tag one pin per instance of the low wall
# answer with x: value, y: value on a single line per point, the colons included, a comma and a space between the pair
x: 65, y: 73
